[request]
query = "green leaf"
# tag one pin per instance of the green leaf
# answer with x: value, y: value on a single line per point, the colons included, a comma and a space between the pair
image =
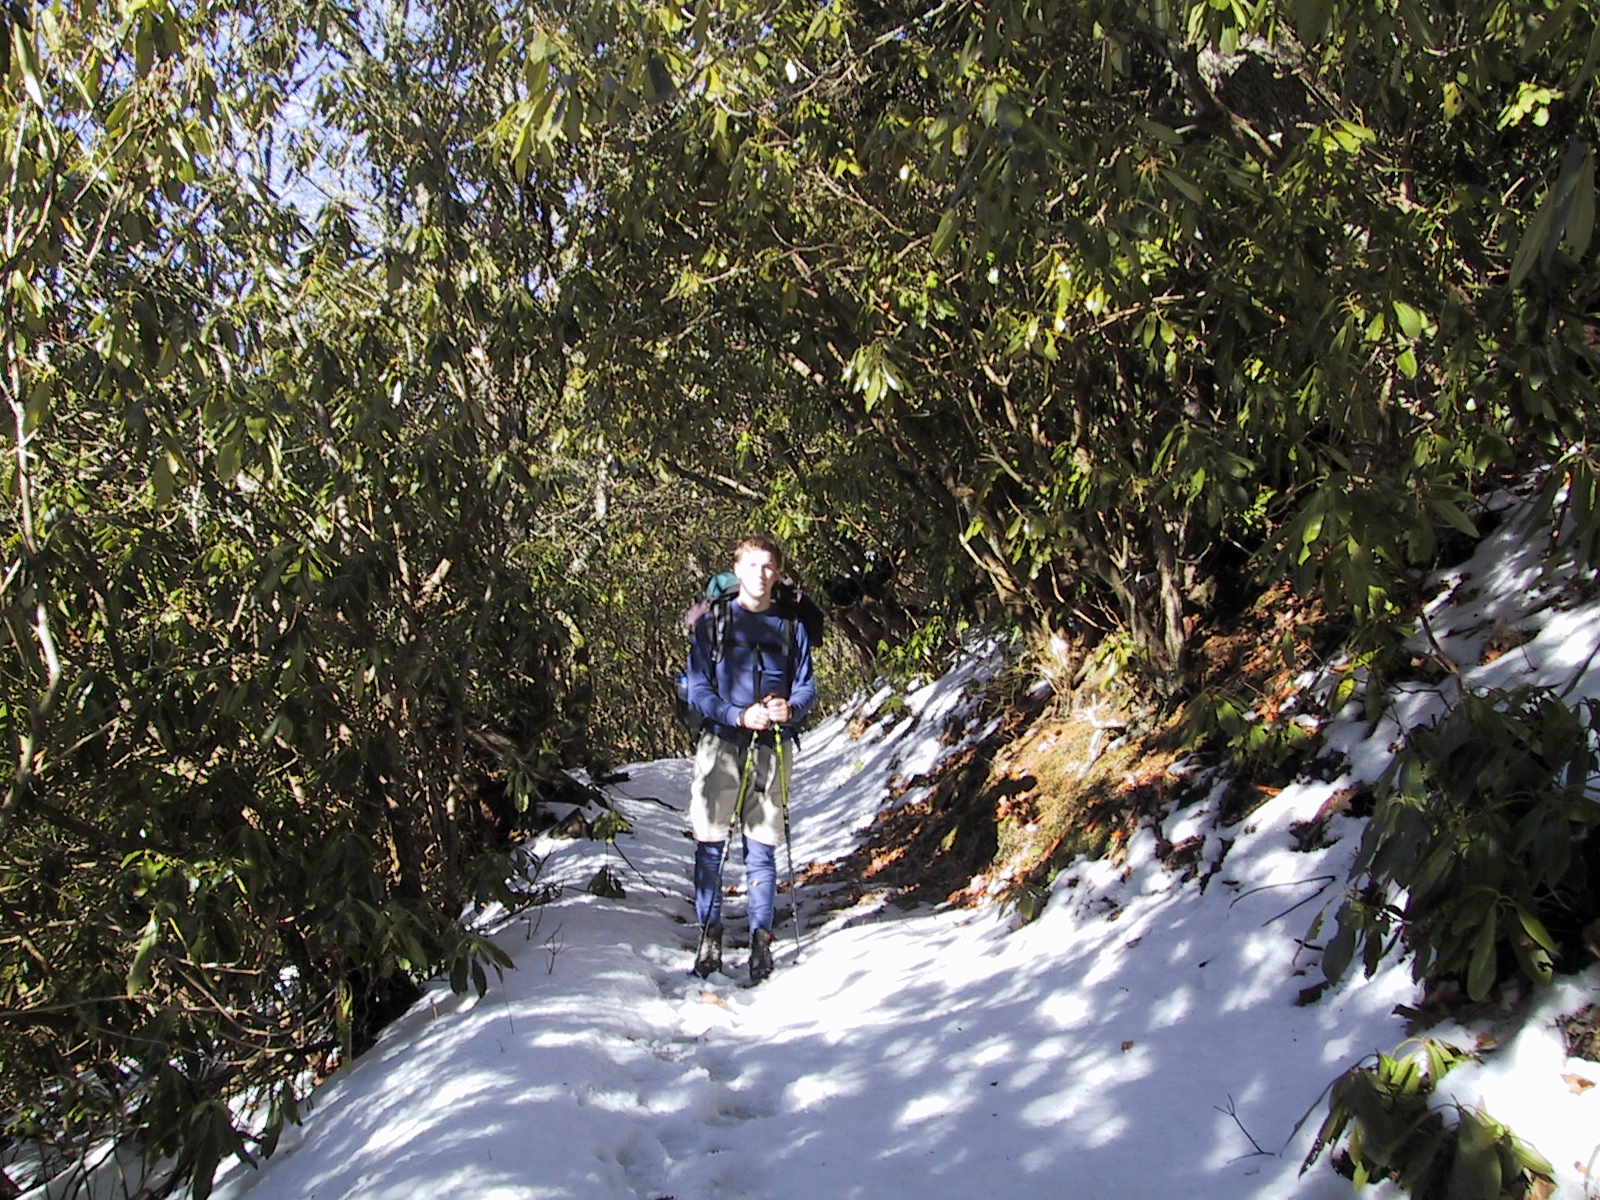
x: 1533, y: 239
x: 1591, y: 60
x: 1577, y: 173
x: 1351, y: 136
x: 1341, y: 948
x: 207, y: 1155
x: 27, y: 60
x: 1164, y: 133
x: 1452, y: 515
x: 1442, y: 1059
x: 1416, y: 19
x: 1475, y: 1174
x: 608, y: 825
x: 1533, y: 960
x: 228, y: 457
x: 161, y: 479
x: 1311, y: 20
x: 143, y: 956
x: 1547, y: 29
x: 1580, y: 215
x: 1342, y: 691
x: 1410, y: 320
x: 1187, y: 186
x: 1536, y: 930
x: 1481, y: 970
x: 1530, y: 1159
x: 948, y: 224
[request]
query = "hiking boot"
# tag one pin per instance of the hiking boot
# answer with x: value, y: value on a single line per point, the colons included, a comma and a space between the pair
x: 760, y: 954
x: 708, y: 958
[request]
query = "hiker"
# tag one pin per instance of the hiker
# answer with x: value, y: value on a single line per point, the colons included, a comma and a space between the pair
x: 752, y: 689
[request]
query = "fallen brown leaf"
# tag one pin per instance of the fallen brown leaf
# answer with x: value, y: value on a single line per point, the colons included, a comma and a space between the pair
x: 1578, y: 1084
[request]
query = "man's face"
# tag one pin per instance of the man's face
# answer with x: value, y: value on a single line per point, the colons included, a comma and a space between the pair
x: 756, y: 573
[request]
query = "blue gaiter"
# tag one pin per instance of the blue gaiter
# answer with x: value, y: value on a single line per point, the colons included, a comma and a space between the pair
x: 761, y: 881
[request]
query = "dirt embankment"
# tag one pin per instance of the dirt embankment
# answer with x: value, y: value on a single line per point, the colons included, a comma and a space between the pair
x: 1063, y: 776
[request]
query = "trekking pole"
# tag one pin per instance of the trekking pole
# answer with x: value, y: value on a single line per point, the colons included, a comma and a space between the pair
x: 727, y: 846
x: 788, y: 845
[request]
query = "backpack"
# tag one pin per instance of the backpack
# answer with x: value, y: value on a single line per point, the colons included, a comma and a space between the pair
x: 793, y: 604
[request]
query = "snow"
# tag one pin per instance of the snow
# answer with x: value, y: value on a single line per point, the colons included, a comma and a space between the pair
x: 1141, y: 1038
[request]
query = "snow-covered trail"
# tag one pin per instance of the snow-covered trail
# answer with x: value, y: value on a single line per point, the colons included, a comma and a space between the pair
x: 924, y: 1054
x: 1139, y: 1040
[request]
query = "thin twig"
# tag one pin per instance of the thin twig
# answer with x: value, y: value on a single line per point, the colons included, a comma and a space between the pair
x: 1443, y: 659
x: 505, y: 996
x: 1267, y: 887
x: 1233, y: 1111
x: 554, y: 945
x: 648, y: 882
x: 1299, y: 903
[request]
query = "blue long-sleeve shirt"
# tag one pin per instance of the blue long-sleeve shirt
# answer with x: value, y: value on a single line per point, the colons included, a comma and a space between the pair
x: 752, y: 667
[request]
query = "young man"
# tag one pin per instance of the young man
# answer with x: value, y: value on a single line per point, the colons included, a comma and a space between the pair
x: 755, y: 690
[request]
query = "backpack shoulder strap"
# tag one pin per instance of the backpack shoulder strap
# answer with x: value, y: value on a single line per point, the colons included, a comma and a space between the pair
x: 720, y: 618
